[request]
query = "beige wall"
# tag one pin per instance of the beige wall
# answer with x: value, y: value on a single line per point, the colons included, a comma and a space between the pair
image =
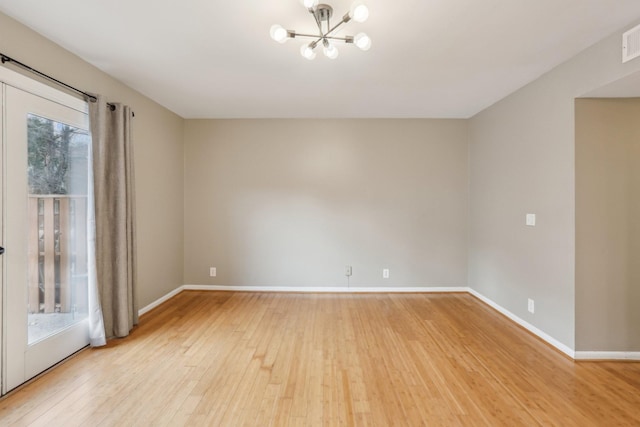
x: 607, y: 228
x: 292, y: 202
x: 158, y: 150
x: 522, y: 161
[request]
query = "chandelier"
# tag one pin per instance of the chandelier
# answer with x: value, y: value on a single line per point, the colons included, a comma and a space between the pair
x: 326, y: 36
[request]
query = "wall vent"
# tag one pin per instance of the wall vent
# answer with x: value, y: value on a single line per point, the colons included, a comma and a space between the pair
x: 631, y: 44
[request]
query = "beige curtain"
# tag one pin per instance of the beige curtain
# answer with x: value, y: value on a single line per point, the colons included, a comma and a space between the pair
x: 114, y: 215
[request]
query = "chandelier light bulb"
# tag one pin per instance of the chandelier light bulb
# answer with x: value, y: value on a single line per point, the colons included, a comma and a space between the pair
x: 362, y: 41
x: 309, y: 4
x: 278, y: 33
x: 307, y: 52
x: 330, y: 51
x: 359, y: 12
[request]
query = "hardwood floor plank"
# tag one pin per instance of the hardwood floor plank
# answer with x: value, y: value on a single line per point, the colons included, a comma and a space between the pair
x: 260, y: 359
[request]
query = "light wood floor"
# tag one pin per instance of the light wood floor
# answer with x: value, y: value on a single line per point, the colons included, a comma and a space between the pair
x: 258, y: 359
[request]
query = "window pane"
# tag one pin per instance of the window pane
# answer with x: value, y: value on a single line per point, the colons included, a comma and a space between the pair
x: 58, y: 171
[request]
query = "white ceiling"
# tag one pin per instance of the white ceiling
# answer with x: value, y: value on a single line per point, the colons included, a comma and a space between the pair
x: 430, y: 58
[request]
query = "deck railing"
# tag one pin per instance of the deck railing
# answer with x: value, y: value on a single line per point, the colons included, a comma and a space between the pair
x: 57, y: 253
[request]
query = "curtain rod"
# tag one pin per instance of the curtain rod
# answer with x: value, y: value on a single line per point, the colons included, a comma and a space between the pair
x: 4, y: 58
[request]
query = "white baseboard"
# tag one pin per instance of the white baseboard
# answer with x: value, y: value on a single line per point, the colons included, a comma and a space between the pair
x: 528, y: 326
x: 608, y: 355
x: 160, y: 300
x: 327, y: 289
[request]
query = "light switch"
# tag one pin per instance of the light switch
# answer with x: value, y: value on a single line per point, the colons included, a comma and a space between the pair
x: 531, y: 220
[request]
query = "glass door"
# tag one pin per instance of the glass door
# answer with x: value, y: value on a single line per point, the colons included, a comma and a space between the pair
x: 46, y: 174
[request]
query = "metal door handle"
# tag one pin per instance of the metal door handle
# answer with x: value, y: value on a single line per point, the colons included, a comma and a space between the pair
x: 1, y: 250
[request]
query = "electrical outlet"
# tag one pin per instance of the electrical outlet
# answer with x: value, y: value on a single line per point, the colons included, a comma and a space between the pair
x: 531, y: 306
x: 385, y: 273
x: 212, y: 272
x: 530, y: 220
x: 347, y: 270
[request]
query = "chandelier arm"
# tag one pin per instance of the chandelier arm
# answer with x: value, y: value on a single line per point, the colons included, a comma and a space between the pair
x: 313, y: 45
x: 313, y: 36
x: 348, y: 39
x: 337, y: 25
